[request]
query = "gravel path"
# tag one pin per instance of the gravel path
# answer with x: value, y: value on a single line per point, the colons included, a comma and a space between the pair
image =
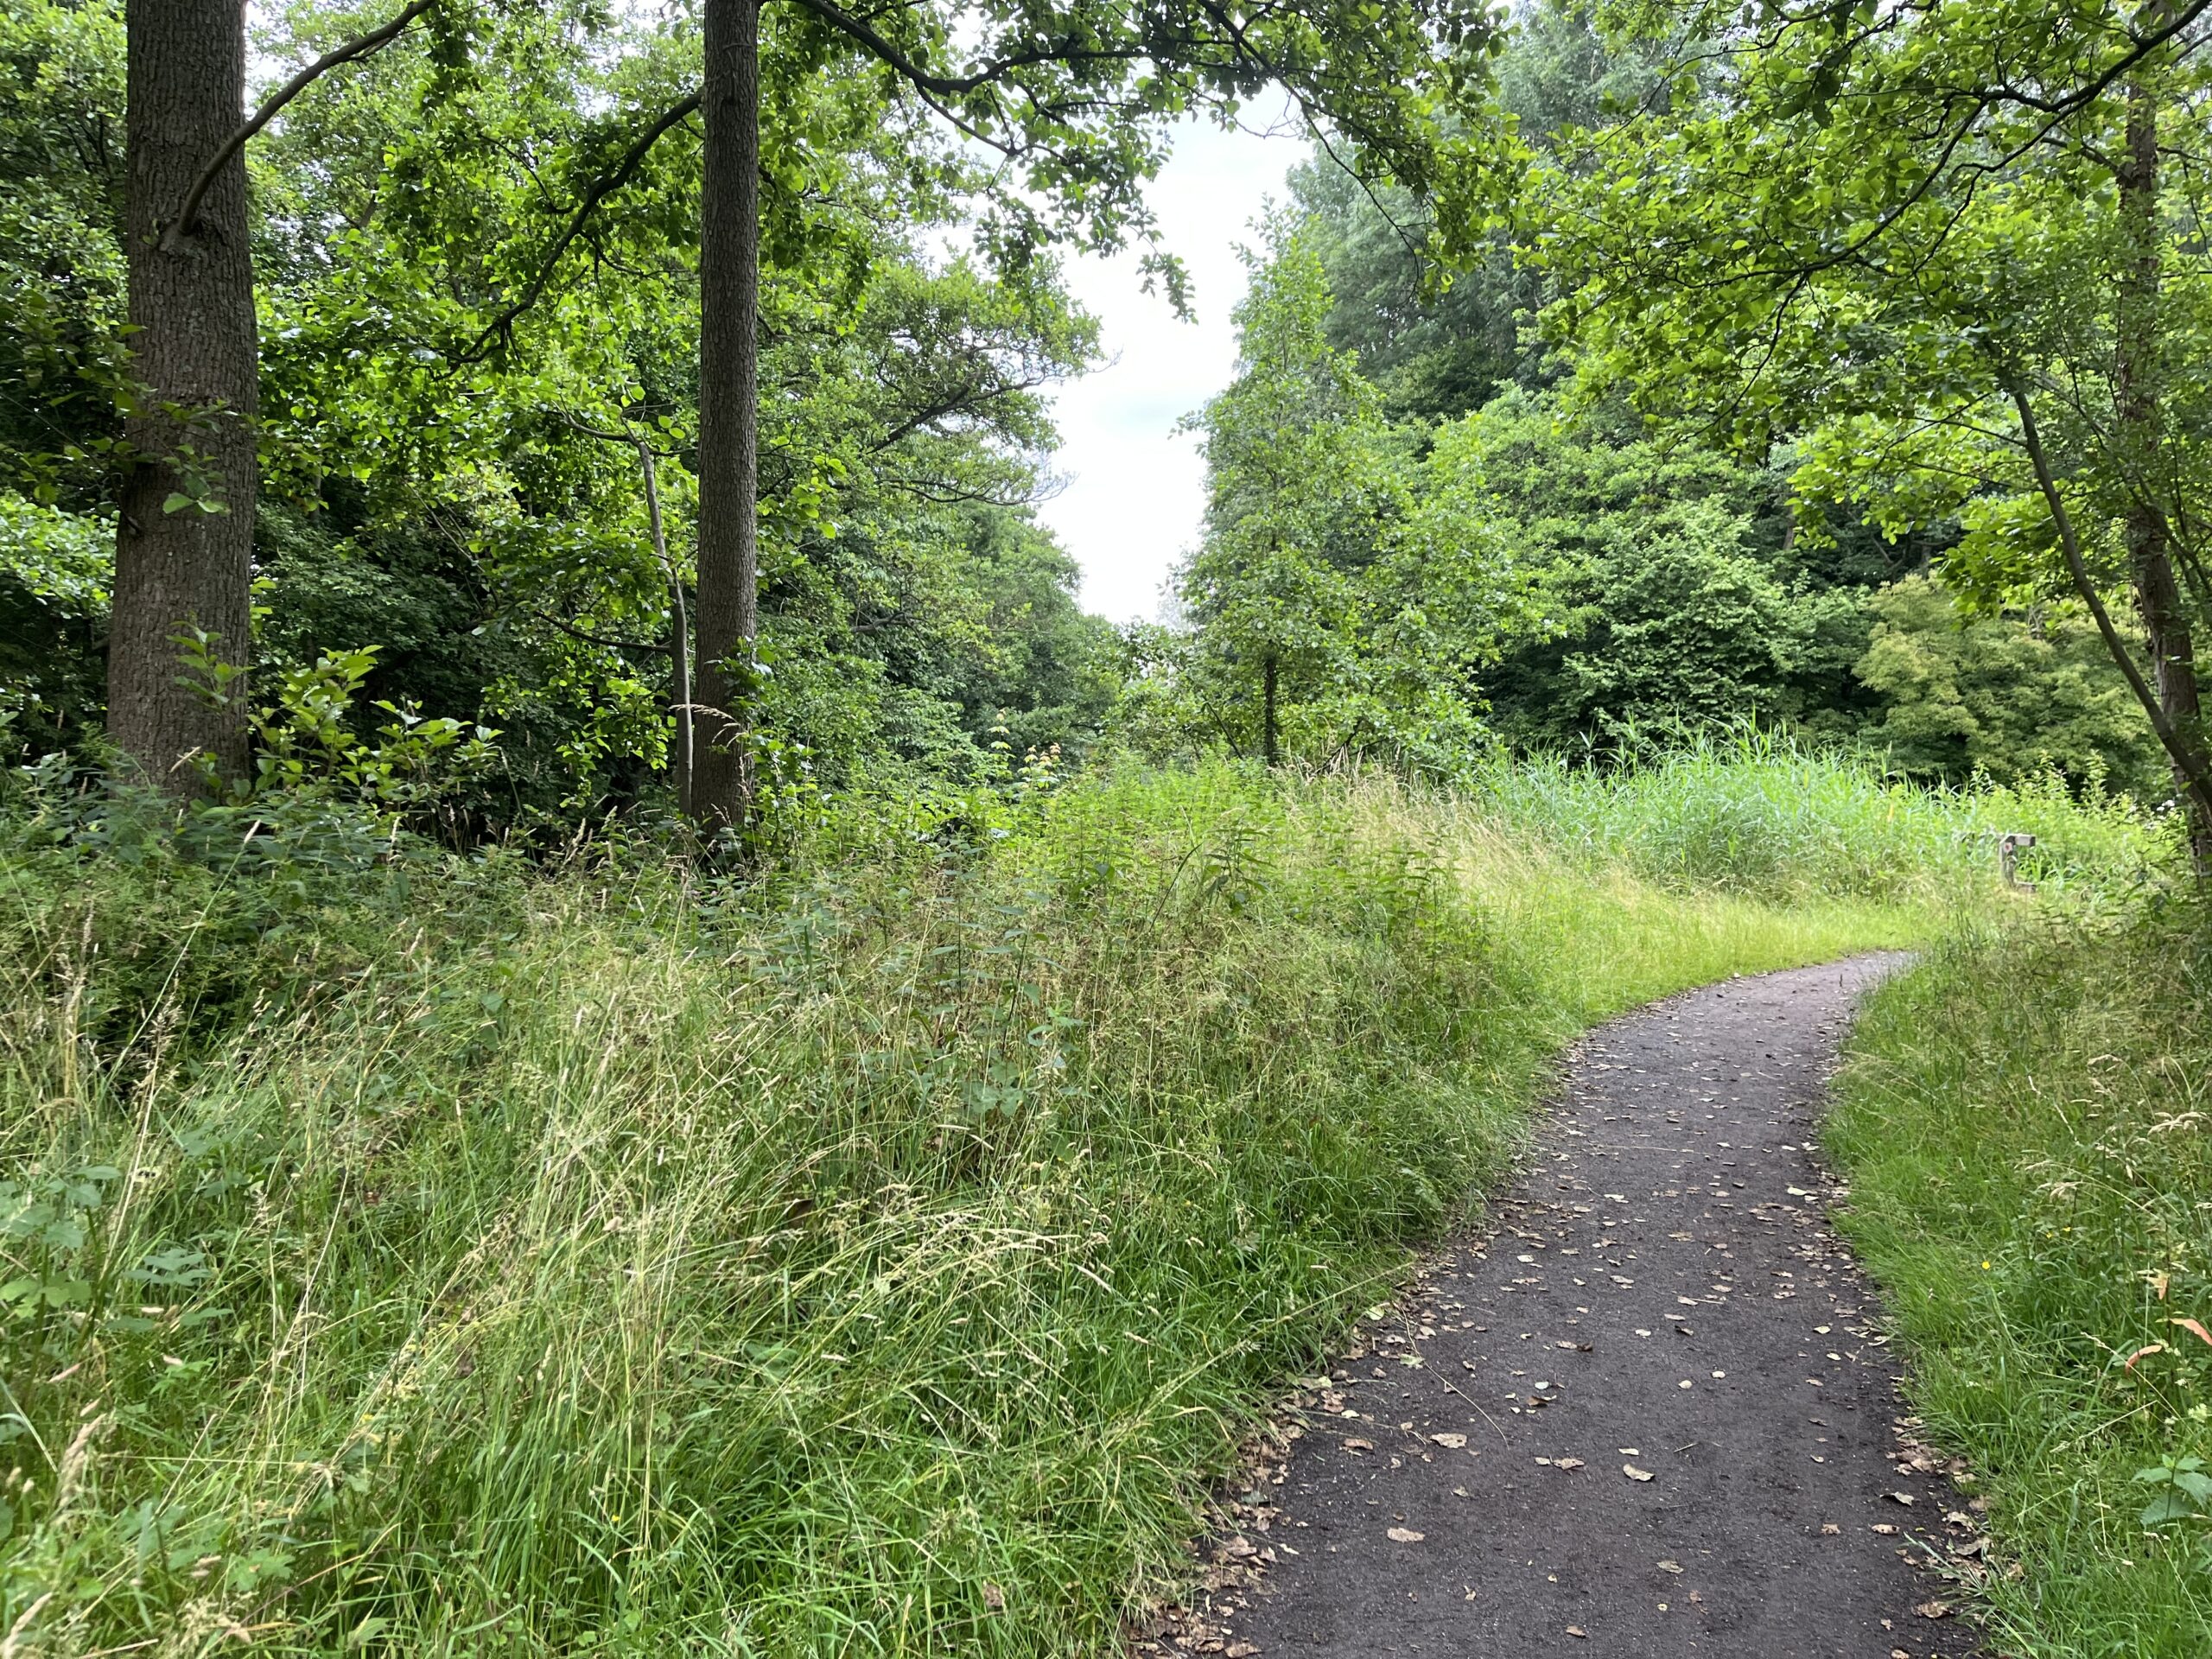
x: 1649, y: 1416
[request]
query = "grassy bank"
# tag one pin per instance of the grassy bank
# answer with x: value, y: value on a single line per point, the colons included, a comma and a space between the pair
x: 449, y: 1256
x: 2024, y: 1123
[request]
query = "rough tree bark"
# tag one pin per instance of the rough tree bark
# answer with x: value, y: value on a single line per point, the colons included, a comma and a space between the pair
x: 729, y: 287
x: 192, y: 432
x: 2137, y: 407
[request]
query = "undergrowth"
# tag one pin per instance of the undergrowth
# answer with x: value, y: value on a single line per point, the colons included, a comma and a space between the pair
x: 2025, y: 1125
x: 443, y: 1255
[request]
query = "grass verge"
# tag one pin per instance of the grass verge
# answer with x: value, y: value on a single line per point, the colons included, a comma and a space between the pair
x: 441, y: 1258
x: 2024, y: 1122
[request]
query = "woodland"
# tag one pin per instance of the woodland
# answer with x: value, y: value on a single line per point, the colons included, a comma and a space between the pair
x: 625, y: 1030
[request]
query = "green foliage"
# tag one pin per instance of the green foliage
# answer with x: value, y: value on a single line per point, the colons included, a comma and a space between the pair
x: 2007, y: 696
x: 1684, y: 628
x: 61, y: 259
x: 1871, y: 236
x: 1298, y: 482
x: 467, y: 501
x: 55, y: 568
x: 1439, y: 342
x: 2022, y: 1125
x: 1342, y: 591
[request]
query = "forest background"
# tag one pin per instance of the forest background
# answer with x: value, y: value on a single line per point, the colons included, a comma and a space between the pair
x: 1475, y: 551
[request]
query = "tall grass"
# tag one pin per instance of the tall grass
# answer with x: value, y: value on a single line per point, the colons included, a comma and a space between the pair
x: 451, y: 1260
x: 2025, y: 1122
x: 1759, y: 812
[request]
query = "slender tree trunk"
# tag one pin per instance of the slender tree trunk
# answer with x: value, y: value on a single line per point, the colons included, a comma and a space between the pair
x: 1270, y: 737
x: 680, y: 629
x: 192, y: 434
x: 729, y: 288
x: 2136, y: 399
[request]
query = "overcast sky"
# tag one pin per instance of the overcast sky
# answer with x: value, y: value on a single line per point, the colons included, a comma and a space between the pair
x: 1135, y: 488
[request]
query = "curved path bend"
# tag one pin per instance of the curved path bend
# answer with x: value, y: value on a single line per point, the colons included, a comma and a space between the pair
x: 1649, y: 1416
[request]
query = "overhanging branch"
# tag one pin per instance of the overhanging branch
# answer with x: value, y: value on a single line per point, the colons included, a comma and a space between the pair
x: 360, y: 46
x: 863, y: 34
x: 600, y: 188
x: 2185, y: 757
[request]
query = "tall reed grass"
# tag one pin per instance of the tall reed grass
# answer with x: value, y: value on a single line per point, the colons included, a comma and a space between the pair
x: 1757, y: 812
x: 448, y: 1258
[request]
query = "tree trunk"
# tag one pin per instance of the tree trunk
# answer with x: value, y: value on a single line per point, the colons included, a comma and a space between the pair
x: 1270, y: 737
x: 192, y: 434
x: 2137, y: 393
x: 729, y: 287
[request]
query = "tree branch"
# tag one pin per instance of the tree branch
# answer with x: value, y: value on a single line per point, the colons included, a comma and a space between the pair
x: 863, y: 34
x: 2185, y: 759
x: 575, y: 633
x: 600, y: 188
x: 360, y: 46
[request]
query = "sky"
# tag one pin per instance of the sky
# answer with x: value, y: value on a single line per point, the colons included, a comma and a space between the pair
x: 1133, y: 489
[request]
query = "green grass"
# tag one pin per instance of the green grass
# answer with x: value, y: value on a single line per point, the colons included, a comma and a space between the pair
x: 452, y: 1258
x: 2024, y: 1123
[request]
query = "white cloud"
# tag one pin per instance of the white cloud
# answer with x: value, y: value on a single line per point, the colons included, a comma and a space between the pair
x: 1136, y: 489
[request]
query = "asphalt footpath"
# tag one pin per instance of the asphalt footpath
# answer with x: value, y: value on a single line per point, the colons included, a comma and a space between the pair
x: 1651, y: 1415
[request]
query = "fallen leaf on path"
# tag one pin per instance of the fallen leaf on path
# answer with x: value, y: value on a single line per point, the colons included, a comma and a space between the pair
x: 1934, y: 1610
x: 1566, y: 1463
x: 1830, y: 1529
x: 1452, y: 1441
x: 1404, y: 1536
x: 1635, y: 1473
x: 1905, y: 1498
x: 1576, y: 1630
x: 1670, y: 1566
x: 1356, y: 1446
x: 1884, y: 1529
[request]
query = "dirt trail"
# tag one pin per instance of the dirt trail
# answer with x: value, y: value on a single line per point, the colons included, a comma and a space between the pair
x: 1679, y: 1436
